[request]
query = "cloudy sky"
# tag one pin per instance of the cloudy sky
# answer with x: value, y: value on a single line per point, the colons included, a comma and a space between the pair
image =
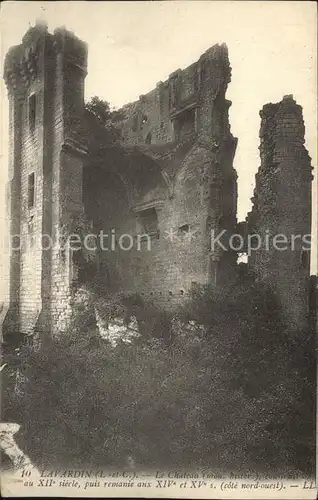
x: 133, y: 45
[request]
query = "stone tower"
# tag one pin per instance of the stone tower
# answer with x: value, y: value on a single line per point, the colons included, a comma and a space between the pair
x: 282, y: 209
x: 45, y: 81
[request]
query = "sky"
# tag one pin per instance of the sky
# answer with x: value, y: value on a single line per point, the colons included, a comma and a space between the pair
x: 133, y: 45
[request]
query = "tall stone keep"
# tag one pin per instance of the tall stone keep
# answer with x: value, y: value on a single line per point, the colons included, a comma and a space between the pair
x: 282, y: 209
x: 45, y: 80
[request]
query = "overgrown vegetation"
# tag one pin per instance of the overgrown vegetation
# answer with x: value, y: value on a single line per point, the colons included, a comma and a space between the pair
x: 102, y: 122
x: 231, y: 388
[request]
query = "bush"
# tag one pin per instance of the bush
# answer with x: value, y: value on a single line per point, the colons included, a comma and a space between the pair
x: 235, y: 397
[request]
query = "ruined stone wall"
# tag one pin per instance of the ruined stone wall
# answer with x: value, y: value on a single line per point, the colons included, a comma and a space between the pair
x: 165, y: 267
x: 148, y: 119
x: 179, y: 253
x: 190, y: 101
x: 282, y: 205
x: 202, y: 191
x: 182, y: 189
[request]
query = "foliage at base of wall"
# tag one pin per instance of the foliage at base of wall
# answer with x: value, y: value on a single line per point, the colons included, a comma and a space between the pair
x: 231, y: 389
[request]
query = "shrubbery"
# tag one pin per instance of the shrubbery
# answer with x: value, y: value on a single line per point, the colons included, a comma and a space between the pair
x: 230, y: 389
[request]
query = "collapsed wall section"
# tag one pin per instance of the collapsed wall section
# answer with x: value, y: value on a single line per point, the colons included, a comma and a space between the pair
x: 192, y: 104
x: 281, y: 212
x: 182, y: 105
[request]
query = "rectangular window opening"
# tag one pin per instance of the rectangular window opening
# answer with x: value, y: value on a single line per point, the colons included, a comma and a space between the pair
x: 149, y: 221
x: 32, y: 111
x: 31, y: 190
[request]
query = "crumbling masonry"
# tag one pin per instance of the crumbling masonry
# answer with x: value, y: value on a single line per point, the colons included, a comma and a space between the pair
x: 171, y: 170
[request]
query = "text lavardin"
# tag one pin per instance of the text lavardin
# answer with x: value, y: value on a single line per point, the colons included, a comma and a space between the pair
x: 75, y: 474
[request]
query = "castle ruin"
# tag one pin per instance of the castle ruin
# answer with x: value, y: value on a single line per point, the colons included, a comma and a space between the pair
x: 170, y: 171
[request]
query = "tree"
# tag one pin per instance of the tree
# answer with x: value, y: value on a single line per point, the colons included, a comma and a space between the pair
x: 101, y: 109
